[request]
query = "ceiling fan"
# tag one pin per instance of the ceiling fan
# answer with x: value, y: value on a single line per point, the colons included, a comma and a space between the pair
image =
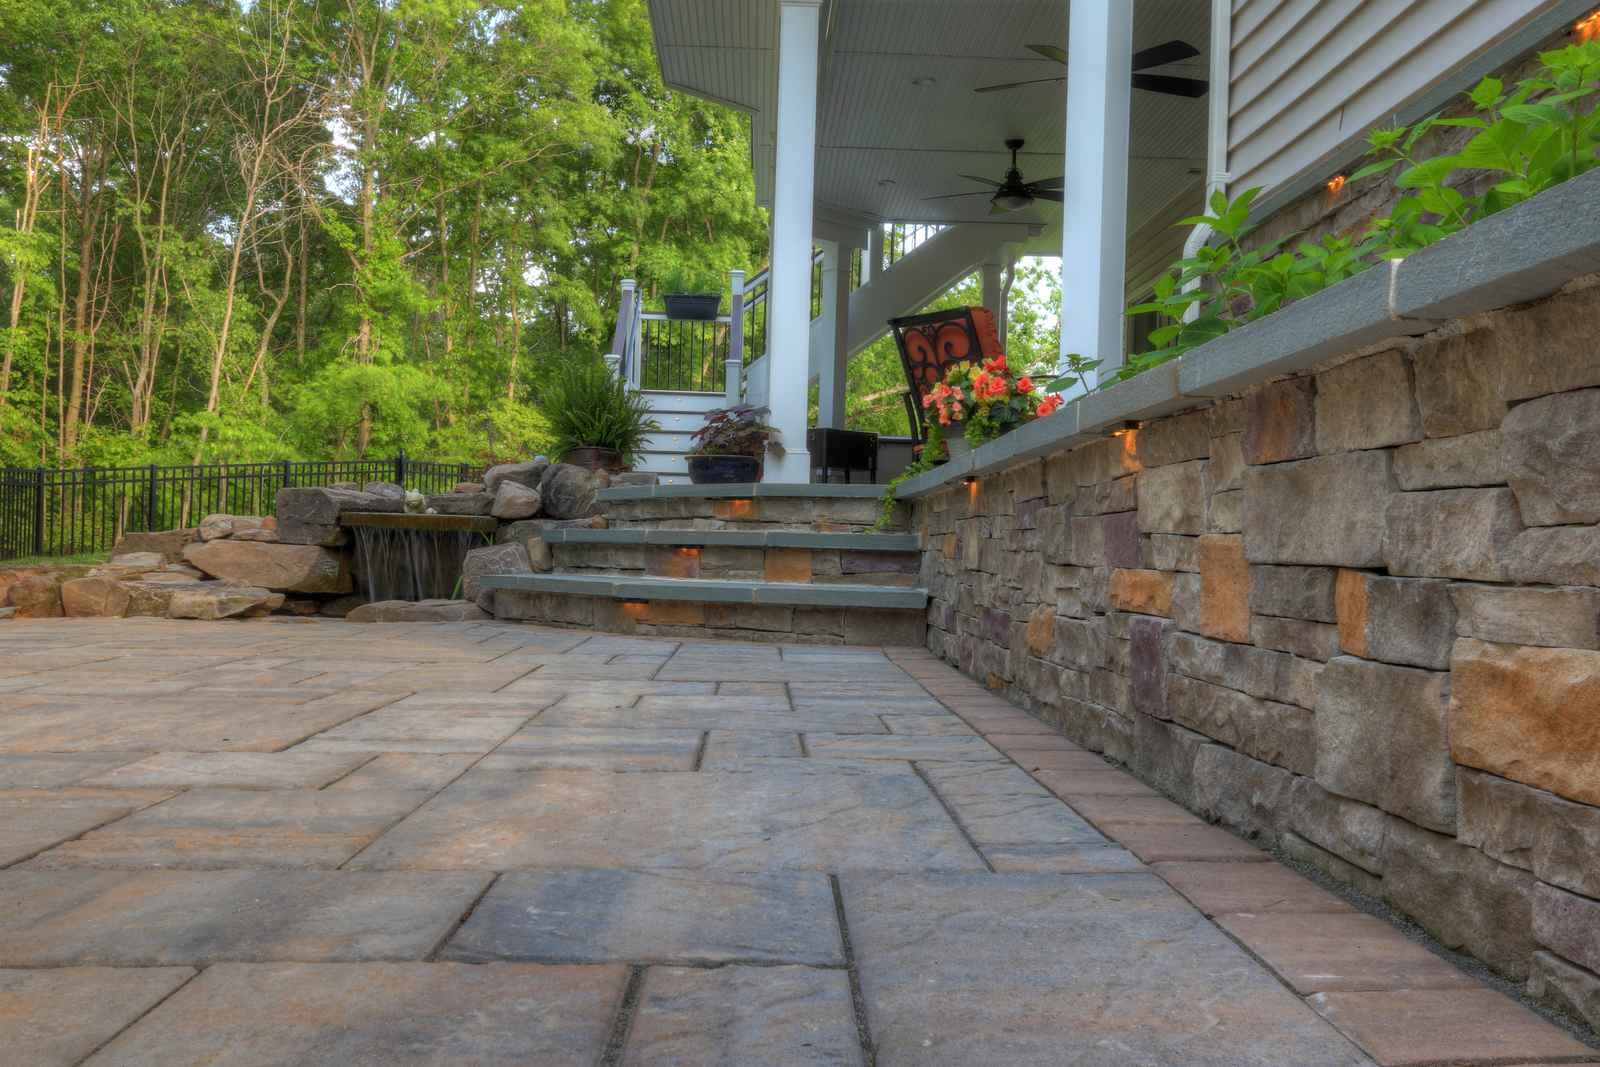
x: 1158, y: 56
x: 1012, y: 194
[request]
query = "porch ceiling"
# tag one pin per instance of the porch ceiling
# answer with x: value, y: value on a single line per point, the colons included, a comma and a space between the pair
x: 885, y: 143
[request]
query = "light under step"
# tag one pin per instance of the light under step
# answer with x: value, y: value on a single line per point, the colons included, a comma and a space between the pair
x: 711, y: 591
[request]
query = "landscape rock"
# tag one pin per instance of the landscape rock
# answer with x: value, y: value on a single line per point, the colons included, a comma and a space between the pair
x: 1383, y: 737
x: 461, y: 504
x: 510, y: 558
x: 215, y: 527
x: 94, y: 597
x: 468, y: 487
x: 513, y: 500
x: 419, y: 611
x: 530, y: 528
x: 1528, y: 714
x: 220, y: 600
x: 387, y: 490
x: 526, y: 474
x: 262, y: 536
x: 37, y: 596
x: 284, y: 568
x: 1552, y: 458
x: 169, y: 544
x: 1557, y: 840
x: 1460, y: 896
x: 310, y: 516
x: 1559, y: 618
x: 568, y: 492
x: 1451, y: 533
x: 1367, y: 403
x: 1292, y: 592
x: 339, y: 607
x: 1328, y: 510
x: 150, y: 598
x: 1472, y: 459
x: 130, y: 565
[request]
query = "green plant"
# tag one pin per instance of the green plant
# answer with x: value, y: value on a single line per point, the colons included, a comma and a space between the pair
x: 1077, y: 373
x: 589, y: 407
x: 933, y: 451
x: 741, y: 430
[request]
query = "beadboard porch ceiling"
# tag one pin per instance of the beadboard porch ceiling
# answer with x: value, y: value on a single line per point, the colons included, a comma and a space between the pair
x: 897, y: 116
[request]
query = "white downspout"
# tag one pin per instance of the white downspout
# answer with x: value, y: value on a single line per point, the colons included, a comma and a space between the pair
x: 1217, y: 175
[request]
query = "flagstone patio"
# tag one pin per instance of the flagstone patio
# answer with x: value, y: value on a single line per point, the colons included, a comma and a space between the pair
x: 318, y: 842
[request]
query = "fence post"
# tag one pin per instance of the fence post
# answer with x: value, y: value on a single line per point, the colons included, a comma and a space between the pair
x: 463, y: 472
x: 400, y: 469
x: 733, y: 367
x: 38, y: 511
x: 150, y: 501
x: 288, y: 481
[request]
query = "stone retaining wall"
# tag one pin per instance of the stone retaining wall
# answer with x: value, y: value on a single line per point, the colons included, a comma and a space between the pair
x: 1355, y: 613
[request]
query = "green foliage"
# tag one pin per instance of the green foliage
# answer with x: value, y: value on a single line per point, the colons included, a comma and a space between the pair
x: 589, y: 407
x: 741, y: 430
x: 934, y: 452
x: 1543, y: 132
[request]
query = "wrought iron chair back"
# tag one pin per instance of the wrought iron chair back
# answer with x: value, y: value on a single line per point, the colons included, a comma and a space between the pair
x: 932, y: 343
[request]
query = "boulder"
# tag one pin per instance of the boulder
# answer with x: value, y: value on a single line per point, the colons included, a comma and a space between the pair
x: 284, y: 568
x: 509, y: 558
x: 220, y: 600
x: 149, y: 598
x: 349, y: 487
x: 387, y: 490
x: 468, y: 487
x: 37, y: 596
x: 168, y: 543
x: 513, y: 500
x: 310, y: 516
x: 130, y: 565
x: 262, y: 536
x: 526, y: 474
x: 461, y: 504
x: 216, y: 527
x: 568, y: 492
x: 339, y: 607
x: 98, y: 597
x: 1551, y: 449
x: 7, y: 613
x: 419, y: 611
x: 525, y: 529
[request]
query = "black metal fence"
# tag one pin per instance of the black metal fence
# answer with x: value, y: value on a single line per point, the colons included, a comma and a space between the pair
x: 62, y: 512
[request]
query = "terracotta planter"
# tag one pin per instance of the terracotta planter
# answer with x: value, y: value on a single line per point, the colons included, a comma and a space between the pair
x: 595, y: 459
x: 724, y: 470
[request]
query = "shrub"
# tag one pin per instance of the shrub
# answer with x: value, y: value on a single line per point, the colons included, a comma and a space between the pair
x: 589, y: 407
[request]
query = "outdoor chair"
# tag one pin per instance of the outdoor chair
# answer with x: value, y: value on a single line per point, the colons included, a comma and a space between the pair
x: 931, y: 344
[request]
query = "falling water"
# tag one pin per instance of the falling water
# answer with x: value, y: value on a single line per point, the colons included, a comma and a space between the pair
x: 398, y: 563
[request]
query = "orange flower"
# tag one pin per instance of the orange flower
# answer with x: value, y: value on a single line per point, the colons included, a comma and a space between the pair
x: 1024, y: 384
x: 1049, y: 404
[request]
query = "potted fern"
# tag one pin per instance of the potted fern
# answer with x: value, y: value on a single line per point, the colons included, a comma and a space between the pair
x: 598, y: 423
x: 729, y: 448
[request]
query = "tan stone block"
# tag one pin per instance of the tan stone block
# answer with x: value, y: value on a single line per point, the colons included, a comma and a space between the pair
x: 37, y: 596
x: 1142, y: 592
x: 1041, y: 631
x: 667, y: 561
x: 788, y: 565
x: 675, y: 613
x: 94, y: 598
x: 1528, y: 714
x: 1224, y: 588
x: 1350, y: 605
x: 737, y: 510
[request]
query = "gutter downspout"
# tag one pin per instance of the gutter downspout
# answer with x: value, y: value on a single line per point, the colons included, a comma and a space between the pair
x: 1217, y: 175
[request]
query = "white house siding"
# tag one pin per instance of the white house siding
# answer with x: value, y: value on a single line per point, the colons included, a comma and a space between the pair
x: 1310, y: 77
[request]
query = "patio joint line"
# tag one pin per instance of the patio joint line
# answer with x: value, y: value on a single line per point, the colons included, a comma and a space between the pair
x: 346, y: 774
x: 700, y: 750
x: 916, y: 768
x: 197, y: 969
x: 858, y: 1000
x: 622, y: 1022
x: 432, y: 955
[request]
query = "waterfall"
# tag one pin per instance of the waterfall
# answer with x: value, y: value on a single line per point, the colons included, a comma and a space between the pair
x: 406, y: 563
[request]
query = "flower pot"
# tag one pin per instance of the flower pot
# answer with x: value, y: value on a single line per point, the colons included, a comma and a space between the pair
x: 724, y: 470
x: 697, y: 306
x: 595, y: 459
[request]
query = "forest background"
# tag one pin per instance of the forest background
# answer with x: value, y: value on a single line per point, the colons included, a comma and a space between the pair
x: 241, y: 230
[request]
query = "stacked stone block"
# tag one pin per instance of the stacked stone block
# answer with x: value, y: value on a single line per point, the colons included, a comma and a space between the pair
x: 1354, y: 613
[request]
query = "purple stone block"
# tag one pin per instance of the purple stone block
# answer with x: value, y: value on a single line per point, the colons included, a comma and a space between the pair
x: 1122, y: 540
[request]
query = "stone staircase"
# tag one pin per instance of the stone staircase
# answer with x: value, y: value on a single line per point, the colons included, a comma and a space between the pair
x: 774, y: 563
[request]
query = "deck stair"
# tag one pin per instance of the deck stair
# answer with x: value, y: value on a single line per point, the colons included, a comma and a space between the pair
x: 786, y: 563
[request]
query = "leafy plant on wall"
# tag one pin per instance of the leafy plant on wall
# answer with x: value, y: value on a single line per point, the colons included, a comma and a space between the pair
x: 1543, y: 132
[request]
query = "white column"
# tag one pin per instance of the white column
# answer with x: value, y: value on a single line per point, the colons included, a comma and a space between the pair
x: 789, y: 298
x: 1094, y: 235
x: 733, y: 367
x: 992, y: 272
x: 872, y: 260
x: 835, y: 332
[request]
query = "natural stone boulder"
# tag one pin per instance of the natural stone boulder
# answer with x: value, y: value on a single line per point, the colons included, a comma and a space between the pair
x: 513, y: 500
x: 527, y: 474
x: 1528, y: 714
x: 530, y: 528
x: 169, y: 544
x: 37, y: 596
x: 150, y: 598
x: 509, y: 558
x: 419, y: 611
x: 387, y: 490
x: 1328, y: 510
x: 1383, y: 737
x: 568, y: 492
x: 310, y: 516
x: 339, y: 607
x: 215, y: 527
x: 1451, y: 533
x: 467, y: 487
x: 219, y: 600
x: 461, y: 504
x: 1552, y: 458
x: 130, y: 565
x: 262, y: 536
x: 97, y: 597
x: 285, y: 568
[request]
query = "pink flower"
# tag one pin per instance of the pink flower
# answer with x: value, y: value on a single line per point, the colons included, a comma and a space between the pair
x: 1024, y: 384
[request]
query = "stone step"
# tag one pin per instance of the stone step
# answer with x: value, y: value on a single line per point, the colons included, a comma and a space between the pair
x: 714, y: 591
x: 760, y: 506
x: 855, y: 542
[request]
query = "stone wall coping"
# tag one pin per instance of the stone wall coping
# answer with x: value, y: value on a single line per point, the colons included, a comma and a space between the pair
x: 740, y: 491
x: 712, y: 591
x: 1524, y: 253
x: 884, y: 542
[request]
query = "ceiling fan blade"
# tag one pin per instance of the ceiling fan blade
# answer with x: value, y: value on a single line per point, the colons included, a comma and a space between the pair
x: 1013, y: 85
x: 1162, y: 54
x: 1050, y: 51
x: 1161, y: 83
x: 1048, y: 194
x: 952, y: 196
x: 975, y: 178
x: 1048, y: 183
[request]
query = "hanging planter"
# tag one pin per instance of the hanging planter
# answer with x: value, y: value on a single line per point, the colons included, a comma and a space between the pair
x: 698, y: 307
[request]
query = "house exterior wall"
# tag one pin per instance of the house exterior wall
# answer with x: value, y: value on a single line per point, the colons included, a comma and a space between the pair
x: 1310, y: 77
x: 1354, y: 614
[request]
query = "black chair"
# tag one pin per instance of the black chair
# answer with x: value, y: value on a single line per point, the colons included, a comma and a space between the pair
x: 842, y: 450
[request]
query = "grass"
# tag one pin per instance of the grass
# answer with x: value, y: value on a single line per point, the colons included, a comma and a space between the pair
x: 83, y: 559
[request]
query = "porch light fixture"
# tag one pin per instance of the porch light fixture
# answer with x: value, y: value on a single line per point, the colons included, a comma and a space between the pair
x: 1587, y: 28
x: 1336, y: 183
x: 1012, y: 202
x: 1128, y: 426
